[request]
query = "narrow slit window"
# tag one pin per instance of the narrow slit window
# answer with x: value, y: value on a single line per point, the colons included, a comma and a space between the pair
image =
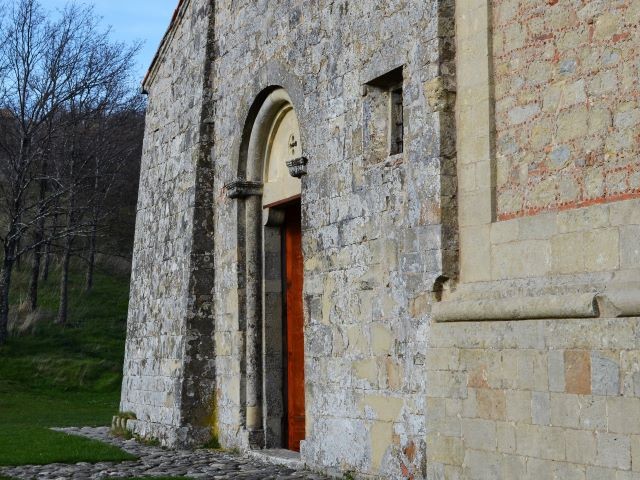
x: 396, y: 122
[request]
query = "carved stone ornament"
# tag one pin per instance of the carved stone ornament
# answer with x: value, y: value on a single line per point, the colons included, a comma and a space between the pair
x: 298, y: 167
x: 243, y: 188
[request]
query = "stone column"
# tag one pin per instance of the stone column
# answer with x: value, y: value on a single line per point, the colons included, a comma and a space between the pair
x: 254, y: 320
x: 251, y: 193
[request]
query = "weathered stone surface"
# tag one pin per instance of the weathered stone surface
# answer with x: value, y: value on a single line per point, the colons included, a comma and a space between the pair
x: 529, y: 128
x: 169, y: 369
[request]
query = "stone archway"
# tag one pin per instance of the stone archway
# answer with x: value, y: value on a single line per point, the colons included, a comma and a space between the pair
x: 270, y: 276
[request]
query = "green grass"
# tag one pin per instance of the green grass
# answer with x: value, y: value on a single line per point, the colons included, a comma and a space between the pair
x: 63, y: 376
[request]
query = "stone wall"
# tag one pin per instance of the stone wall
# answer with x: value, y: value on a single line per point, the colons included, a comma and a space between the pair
x: 170, y: 274
x: 531, y: 357
x: 463, y: 317
x: 534, y: 400
x: 372, y: 232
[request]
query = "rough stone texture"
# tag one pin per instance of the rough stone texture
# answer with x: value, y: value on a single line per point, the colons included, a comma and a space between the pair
x: 154, y: 462
x: 167, y: 384
x: 372, y: 228
x: 540, y: 429
x: 453, y: 227
x: 566, y: 108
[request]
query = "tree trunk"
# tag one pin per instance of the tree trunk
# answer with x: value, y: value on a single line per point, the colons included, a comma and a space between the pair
x: 88, y: 285
x: 5, y: 285
x: 35, y: 277
x: 47, y: 261
x: 18, y: 261
x: 63, y: 307
x: 47, y: 249
x: 37, y: 239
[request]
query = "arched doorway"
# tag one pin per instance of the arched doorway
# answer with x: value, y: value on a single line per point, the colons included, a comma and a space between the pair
x: 271, y: 279
x: 284, y: 278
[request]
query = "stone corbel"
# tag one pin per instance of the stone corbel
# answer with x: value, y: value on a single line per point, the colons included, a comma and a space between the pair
x: 273, y: 217
x: 298, y: 167
x: 243, y: 188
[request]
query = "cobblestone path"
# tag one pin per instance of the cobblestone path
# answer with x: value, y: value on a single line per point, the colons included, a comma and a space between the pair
x: 156, y: 461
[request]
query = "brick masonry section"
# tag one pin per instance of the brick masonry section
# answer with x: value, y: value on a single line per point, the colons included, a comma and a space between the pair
x: 566, y: 104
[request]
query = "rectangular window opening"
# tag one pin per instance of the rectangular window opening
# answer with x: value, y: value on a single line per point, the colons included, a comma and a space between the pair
x: 383, y: 116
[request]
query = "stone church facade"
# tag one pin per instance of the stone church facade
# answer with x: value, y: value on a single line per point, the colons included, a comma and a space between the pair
x: 399, y: 237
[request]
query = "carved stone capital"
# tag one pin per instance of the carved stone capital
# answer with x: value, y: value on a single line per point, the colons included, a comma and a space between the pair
x: 243, y: 188
x: 298, y: 167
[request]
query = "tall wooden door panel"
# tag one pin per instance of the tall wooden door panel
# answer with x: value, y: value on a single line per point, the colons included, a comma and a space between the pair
x: 294, y: 327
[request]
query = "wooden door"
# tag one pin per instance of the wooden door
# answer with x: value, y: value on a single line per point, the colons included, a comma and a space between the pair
x: 295, y: 421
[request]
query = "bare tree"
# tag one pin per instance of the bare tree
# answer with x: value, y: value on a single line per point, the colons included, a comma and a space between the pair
x: 53, y: 74
x: 119, y: 146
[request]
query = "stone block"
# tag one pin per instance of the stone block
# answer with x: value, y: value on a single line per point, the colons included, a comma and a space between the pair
x: 480, y: 464
x: 506, y: 436
x: 491, y: 404
x: 599, y: 473
x: 479, y: 434
x: 382, y: 340
x: 605, y: 374
x: 556, y: 370
x: 538, y: 468
x: 447, y: 384
x: 518, y: 405
x: 531, y: 258
x: 625, y: 213
x: 623, y: 415
x: 572, y: 124
x: 513, y: 466
x: 504, y: 232
x: 540, y: 408
x: 613, y: 451
x: 568, y: 471
x: 366, y: 369
x: 475, y: 253
x: 593, y: 414
x: 540, y: 442
x: 582, y: 219
x: 565, y: 410
x: 581, y: 446
x: 538, y: 227
x: 635, y: 453
x: 447, y: 450
x: 577, y: 372
x: 601, y: 250
x: 630, y: 246
x: 381, y: 437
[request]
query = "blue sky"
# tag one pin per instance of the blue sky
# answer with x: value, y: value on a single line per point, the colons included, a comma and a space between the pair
x: 131, y: 20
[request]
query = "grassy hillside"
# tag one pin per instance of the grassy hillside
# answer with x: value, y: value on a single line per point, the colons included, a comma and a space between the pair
x: 63, y: 376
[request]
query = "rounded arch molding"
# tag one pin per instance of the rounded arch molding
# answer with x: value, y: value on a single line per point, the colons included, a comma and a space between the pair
x: 271, y: 77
